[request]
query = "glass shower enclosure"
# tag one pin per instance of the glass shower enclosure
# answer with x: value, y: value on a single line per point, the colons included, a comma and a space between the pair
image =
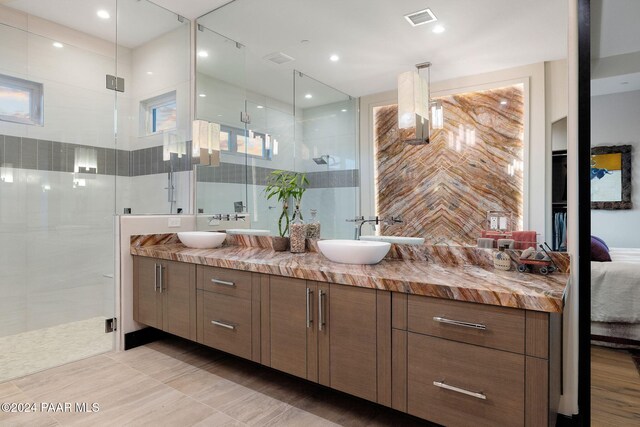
x: 73, y: 154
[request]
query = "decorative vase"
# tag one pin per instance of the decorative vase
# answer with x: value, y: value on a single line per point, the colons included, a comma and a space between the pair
x: 280, y: 244
x: 313, y: 227
x: 501, y: 260
x: 297, y: 233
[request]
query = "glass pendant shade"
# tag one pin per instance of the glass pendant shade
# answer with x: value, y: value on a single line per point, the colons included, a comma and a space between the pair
x: 437, y: 115
x: 413, y: 106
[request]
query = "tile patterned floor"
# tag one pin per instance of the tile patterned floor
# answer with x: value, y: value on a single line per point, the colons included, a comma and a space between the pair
x: 178, y: 383
x: 33, y: 351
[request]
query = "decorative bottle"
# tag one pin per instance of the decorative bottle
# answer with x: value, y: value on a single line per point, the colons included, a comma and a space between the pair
x: 297, y: 232
x: 502, y: 260
x: 313, y: 227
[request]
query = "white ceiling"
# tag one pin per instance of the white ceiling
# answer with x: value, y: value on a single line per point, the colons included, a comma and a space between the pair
x: 138, y: 20
x: 375, y: 43
x: 372, y: 38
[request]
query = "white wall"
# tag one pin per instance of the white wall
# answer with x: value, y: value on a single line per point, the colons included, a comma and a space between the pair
x: 77, y: 107
x: 615, y: 120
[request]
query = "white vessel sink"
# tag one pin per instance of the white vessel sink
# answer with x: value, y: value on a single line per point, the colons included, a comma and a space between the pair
x: 202, y: 239
x: 395, y: 239
x: 354, y: 251
x: 248, y: 231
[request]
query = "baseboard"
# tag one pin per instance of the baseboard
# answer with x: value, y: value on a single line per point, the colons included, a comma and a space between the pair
x: 568, y: 420
x: 141, y: 337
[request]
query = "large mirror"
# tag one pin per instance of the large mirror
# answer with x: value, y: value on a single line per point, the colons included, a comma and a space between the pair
x: 305, y: 80
x: 273, y: 117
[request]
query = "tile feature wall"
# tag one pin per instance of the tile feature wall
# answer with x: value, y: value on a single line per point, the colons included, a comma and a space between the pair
x: 443, y: 190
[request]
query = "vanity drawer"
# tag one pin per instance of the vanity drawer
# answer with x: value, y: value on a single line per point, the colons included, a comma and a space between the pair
x: 456, y: 384
x: 484, y: 325
x: 226, y: 323
x: 225, y: 281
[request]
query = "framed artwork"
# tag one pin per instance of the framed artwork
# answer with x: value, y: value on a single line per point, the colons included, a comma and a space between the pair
x: 611, y: 177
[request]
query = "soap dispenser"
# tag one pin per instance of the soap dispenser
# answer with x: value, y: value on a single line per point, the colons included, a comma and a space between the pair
x: 502, y: 260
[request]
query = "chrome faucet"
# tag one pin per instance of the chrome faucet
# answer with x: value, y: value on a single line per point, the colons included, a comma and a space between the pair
x: 360, y: 221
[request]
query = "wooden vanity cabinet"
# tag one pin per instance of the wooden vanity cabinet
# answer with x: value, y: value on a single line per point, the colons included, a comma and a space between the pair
x: 164, y: 295
x: 457, y: 361
x: 228, y: 311
x: 328, y: 334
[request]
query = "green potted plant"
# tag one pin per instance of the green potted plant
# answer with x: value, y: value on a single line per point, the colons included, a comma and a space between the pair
x: 284, y: 186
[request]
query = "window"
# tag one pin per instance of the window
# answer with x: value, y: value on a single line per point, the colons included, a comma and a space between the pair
x: 21, y: 101
x: 234, y: 141
x: 159, y: 114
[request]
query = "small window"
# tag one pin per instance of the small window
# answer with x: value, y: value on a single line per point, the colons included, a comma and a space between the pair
x: 160, y: 113
x: 20, y: 101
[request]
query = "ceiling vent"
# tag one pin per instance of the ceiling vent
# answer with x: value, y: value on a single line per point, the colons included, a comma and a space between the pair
x: 420, y: 17
x: 278, y: 58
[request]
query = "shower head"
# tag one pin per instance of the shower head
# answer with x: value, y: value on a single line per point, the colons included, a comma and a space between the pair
x: 322, y: 160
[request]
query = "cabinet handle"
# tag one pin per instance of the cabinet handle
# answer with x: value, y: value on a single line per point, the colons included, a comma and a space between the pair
x: 223, y: 282
x: 161, y: 274
x: 321, y: 321
x: 155, y: 277
x: 460, y: 323
x: 477, y: 395
x: 309, y: 319
x: 224, y: 325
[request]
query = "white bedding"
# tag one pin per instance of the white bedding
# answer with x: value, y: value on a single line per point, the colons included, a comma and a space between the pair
x: 615, y: 287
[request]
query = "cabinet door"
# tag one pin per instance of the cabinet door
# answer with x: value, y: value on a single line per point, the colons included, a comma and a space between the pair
x: 293, y: 346
x: 147, y: 303
x: 351, y: 330
x: 179, y: 303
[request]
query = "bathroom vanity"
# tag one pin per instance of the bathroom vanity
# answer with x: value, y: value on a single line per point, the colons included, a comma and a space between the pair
x: 452, y: 345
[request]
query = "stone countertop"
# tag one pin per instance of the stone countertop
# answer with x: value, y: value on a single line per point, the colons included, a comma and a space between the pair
x: 463, y: 283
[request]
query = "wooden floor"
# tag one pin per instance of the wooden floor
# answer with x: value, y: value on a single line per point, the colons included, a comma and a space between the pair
x: 615, y: 388
x: 178, y: 383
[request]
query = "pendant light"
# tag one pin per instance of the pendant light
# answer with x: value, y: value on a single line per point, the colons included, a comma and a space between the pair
x: 415, y: 109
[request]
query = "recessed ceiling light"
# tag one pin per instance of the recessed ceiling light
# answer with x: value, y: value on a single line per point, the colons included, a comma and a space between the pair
x: 150, y: 73
x: 503, y: 102
x: 334, y: 58
x: 203, y: 95
x: 203, y: 54
x: 58, y: 45
x: 438, y: 29
x: 420, y: 17
x: 103, y: 14
x: 308, y: 96
x: 260, y: 107
x: 219, y: 115
x: 344, y: 110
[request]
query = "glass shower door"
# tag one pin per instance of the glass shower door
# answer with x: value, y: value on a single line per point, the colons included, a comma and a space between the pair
x: 57, y: 197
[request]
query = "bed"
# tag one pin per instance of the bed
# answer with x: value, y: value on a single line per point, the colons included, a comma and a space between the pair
x: 615, y: 299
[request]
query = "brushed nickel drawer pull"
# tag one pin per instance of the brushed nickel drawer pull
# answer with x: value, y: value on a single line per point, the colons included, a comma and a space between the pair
x: 223, y: 282
x: 224, y: 325
x: 161, y: 275
x: 309, y: 319
x: 477, y: 395
x: 155, y: 277
x: 321, y: 320
x: 460, y: 323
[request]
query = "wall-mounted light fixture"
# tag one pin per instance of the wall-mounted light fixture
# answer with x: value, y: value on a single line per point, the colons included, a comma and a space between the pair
x: 415, y: 108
